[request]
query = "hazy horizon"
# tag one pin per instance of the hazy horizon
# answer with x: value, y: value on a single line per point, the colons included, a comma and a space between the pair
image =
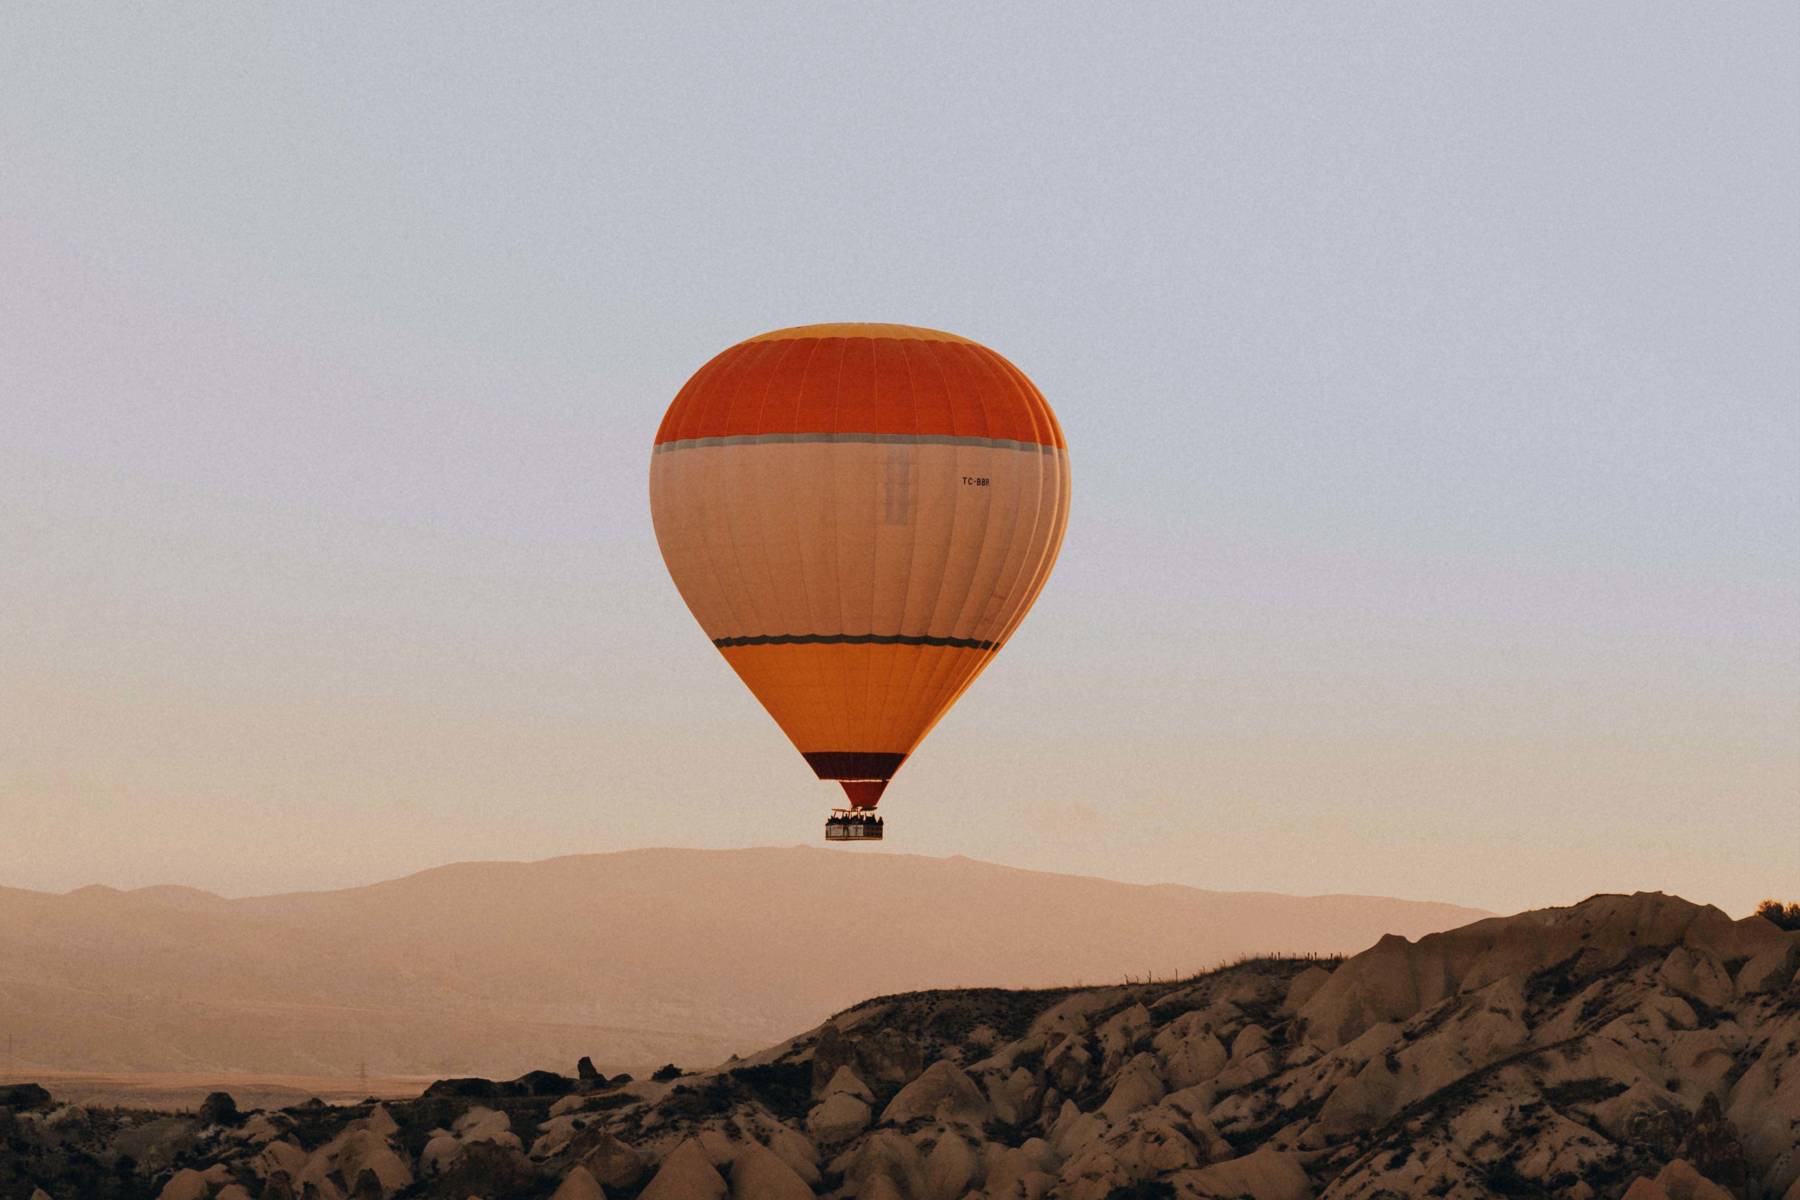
x: 812, y: 846
x: 1431, y: 380
x: 635, y: 958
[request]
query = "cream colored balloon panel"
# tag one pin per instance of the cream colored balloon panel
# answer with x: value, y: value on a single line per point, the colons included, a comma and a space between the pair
x: 678, y: 510
x: 793, y: 581
x: 1037, y: 523
x: 1011, y: 481
x: 857, y: 537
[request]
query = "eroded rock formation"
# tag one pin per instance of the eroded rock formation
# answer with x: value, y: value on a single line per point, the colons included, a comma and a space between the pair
x: 1635, y: 1046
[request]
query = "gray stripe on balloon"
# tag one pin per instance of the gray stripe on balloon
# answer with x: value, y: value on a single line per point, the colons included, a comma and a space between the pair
x: 880, y: 439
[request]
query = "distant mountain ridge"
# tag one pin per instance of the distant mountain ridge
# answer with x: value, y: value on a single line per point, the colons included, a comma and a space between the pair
x: 635, y: 957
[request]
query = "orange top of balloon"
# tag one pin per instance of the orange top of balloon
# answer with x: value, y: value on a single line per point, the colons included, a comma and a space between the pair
x: 860, y: 378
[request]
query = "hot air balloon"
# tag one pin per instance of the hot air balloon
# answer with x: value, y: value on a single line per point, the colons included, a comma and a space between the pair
x: 859, y: 516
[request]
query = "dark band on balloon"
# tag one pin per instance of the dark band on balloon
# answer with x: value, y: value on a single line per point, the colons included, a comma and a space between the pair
x: 853, y: 639
x: 853, y: 764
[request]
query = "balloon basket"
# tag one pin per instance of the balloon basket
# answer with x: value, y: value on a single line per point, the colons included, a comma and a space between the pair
x: 852, y: 825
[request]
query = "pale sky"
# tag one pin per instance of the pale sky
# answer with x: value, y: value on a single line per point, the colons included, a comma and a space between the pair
x: 1431, y: 376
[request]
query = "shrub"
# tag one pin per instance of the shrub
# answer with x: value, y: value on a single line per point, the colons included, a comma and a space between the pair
x: 1786, y: 916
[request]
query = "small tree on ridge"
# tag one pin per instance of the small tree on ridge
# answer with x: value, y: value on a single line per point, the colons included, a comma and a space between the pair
x: 1786, y: 916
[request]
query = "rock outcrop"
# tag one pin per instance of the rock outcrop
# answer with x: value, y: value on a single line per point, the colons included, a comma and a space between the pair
x: 1629, y: 1046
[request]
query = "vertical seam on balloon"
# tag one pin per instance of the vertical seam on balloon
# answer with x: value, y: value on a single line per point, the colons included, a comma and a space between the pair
x: 1050, y: 523
x: 765, y: 466
x: 937, y: 352
x: 1052, y: 546
x: 916, y: 695
x: 815, y: 670
x: 837, y: 565
x: 735, y: 528
x: 707, y: 397
x: 676, y: 418
x: 935, y: 681
x: 893, y: 699
x: 987, y: 512
x: 1010, y: 591
x: 980, y: 604
x: 706, y: 544
x: 870, y: 729
x: 1047, y: 552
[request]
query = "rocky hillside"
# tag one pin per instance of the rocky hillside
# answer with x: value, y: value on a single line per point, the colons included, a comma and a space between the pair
x: 1636, y: 1046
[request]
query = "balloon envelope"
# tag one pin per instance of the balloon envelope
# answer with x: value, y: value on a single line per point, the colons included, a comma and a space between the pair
x: 859, y: 516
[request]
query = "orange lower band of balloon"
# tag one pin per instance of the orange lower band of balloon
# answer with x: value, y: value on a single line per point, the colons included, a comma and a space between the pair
x: 856, y: 710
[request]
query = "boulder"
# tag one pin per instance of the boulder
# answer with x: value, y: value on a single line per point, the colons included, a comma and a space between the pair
x: 439, y: 1153
x: 579, y: 1184
x: 1189, y: 1051
x: 487, y: 1169
x: 260, y: 1128
x: 1677, y: 1181
x: 943, y: 1093
x: 884, y: 1159
x: 1025, y: 1171
x: 1068, y: 1064
x: 186, y: 1184
x: 1251, y: 1039
x: 721, y: 1149
x: 1770, y: 969
x: 573, y: 1102
x: 1261, y: 1175
x: 838, y: 1118
x: 1302, y: 988
x: 483, y: 1125
x: 556, y: 1133
x: 1138, y: 1086
x: 364, y: 1151
x: 1074, y: 1131
x: 609, y: 1160
x: 1696, y: 974
x: 1119, y: 1036
x: 951, y: 1169
x: 844, y: 1081
x: 686, y: 1174
x: 759, y: 1174
x: 381, y: 1122
x: 281, y: 1157
x: 796, y: 1150
x: 1015, y: 1097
